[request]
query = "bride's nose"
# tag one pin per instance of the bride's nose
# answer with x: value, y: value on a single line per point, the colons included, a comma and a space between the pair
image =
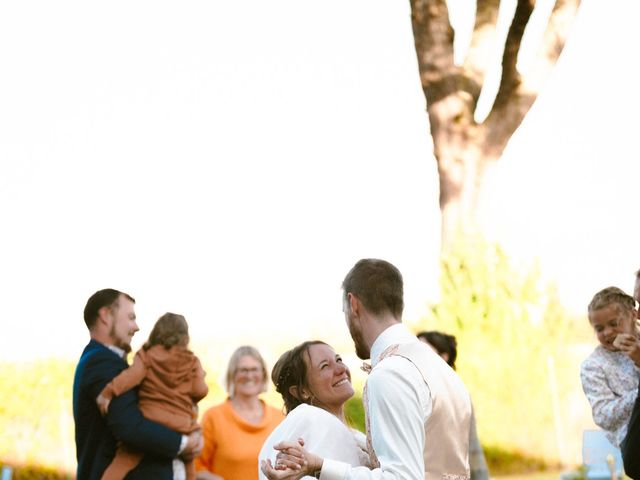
x: 340, y: 368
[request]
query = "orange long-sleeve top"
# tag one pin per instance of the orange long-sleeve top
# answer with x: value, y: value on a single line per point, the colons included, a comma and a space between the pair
x: 231, y: 444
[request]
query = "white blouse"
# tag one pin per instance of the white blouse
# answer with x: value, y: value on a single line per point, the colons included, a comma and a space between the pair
x: 610, y: 382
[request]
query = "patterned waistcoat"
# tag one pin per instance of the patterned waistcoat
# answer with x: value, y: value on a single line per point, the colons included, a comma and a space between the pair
x: 446, y: 450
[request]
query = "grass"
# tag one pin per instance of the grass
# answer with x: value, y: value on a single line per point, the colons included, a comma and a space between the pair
x: 543, y: 475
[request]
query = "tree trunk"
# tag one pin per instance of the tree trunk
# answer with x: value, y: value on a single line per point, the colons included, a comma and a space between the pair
x: 464, y: 148
x: 461, y: 172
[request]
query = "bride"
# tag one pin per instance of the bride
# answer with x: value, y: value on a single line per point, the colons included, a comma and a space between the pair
x: 315, y: 384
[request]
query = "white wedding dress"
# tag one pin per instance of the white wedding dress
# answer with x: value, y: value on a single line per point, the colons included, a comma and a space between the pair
x: 323, y: 434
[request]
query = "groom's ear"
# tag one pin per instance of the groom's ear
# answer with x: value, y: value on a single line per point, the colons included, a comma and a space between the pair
x: 354, y: 304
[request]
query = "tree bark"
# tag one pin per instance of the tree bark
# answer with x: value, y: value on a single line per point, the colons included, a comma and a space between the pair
x: 464, y: 148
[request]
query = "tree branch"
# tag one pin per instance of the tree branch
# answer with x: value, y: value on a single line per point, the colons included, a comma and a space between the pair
x: 482, y: 45
x: 518, y: 93
x: 556, y: 33
x: 433, y: 38
x: 510, y: 77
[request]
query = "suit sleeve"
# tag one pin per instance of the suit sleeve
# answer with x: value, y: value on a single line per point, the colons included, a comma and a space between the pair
x: 631, y: 445
x: 126, y: 380
x: 124, y: 418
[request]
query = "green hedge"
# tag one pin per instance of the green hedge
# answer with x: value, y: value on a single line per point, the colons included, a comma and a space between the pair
x: 514, y: 350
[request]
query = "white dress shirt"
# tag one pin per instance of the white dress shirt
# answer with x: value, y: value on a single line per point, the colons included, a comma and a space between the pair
x: 399, y: 405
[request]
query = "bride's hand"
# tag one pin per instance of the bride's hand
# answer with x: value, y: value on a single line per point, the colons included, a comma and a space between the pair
x: 279, y: 473
x: 293, y: 456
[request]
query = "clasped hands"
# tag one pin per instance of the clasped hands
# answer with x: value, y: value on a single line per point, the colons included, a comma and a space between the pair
x: 293, y: 462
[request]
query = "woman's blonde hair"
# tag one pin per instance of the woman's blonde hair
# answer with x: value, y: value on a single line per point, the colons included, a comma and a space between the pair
x: 232, y: 368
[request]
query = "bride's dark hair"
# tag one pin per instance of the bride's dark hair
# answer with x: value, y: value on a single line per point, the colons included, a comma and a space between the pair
x: 291, y: 371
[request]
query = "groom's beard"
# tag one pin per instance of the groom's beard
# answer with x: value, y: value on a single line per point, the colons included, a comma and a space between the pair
x: 362, y: 350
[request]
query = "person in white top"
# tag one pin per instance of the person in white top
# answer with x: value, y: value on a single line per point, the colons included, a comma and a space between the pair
x: 611, y: 373
x: 418, y: 411
x: 315, y: 384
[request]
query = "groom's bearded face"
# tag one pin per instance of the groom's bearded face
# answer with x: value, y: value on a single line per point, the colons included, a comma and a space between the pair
x: 362, y: 350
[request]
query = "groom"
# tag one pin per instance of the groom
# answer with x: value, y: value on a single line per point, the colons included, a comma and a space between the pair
x: 417, y: 409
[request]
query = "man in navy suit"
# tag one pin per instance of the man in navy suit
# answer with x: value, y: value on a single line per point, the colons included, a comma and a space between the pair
x: 631, y: 445
x: 111, y: 320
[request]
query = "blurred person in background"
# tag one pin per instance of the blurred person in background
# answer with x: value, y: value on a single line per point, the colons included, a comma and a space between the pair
x: 315, y: 384
x: 235, y: 430
x: 446, y: 346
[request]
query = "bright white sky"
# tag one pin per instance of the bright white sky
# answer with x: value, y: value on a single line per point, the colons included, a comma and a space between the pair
x: 232, y: 160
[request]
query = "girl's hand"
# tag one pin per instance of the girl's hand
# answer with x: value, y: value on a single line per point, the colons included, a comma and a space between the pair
x: 103, y: 404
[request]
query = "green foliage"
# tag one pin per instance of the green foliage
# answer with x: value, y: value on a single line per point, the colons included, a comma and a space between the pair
x: 512, y: 337
x: 578, y: 474
x: 354, y: 412
x: 503, y: 462
x: 36, y: 418
x: 31, y: 472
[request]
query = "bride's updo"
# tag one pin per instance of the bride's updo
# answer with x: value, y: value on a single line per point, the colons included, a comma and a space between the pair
x: 291, y: 371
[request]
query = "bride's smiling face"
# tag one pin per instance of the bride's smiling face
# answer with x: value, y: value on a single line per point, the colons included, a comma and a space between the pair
x: 329, y: 379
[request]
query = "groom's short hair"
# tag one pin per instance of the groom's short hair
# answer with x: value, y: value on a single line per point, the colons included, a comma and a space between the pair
x: 377, y: 284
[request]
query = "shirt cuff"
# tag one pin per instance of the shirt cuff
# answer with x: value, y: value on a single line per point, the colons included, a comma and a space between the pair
x: 333, y: 470
x: 183, y: 444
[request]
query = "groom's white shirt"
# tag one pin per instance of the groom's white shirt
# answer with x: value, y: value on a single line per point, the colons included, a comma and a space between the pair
x: 399, y: 403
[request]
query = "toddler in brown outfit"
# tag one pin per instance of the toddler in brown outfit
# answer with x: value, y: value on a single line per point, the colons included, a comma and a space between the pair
x: 171, y: 381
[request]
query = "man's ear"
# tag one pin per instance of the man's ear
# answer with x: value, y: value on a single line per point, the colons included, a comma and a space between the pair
x: 354, y: 304
x: 103, y: 314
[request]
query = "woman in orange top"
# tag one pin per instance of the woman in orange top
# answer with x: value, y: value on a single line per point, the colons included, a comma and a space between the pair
x: 235, y: 430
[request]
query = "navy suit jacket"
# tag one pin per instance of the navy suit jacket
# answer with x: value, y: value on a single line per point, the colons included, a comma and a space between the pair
x: 96, y: 436
x: 631, y: 445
